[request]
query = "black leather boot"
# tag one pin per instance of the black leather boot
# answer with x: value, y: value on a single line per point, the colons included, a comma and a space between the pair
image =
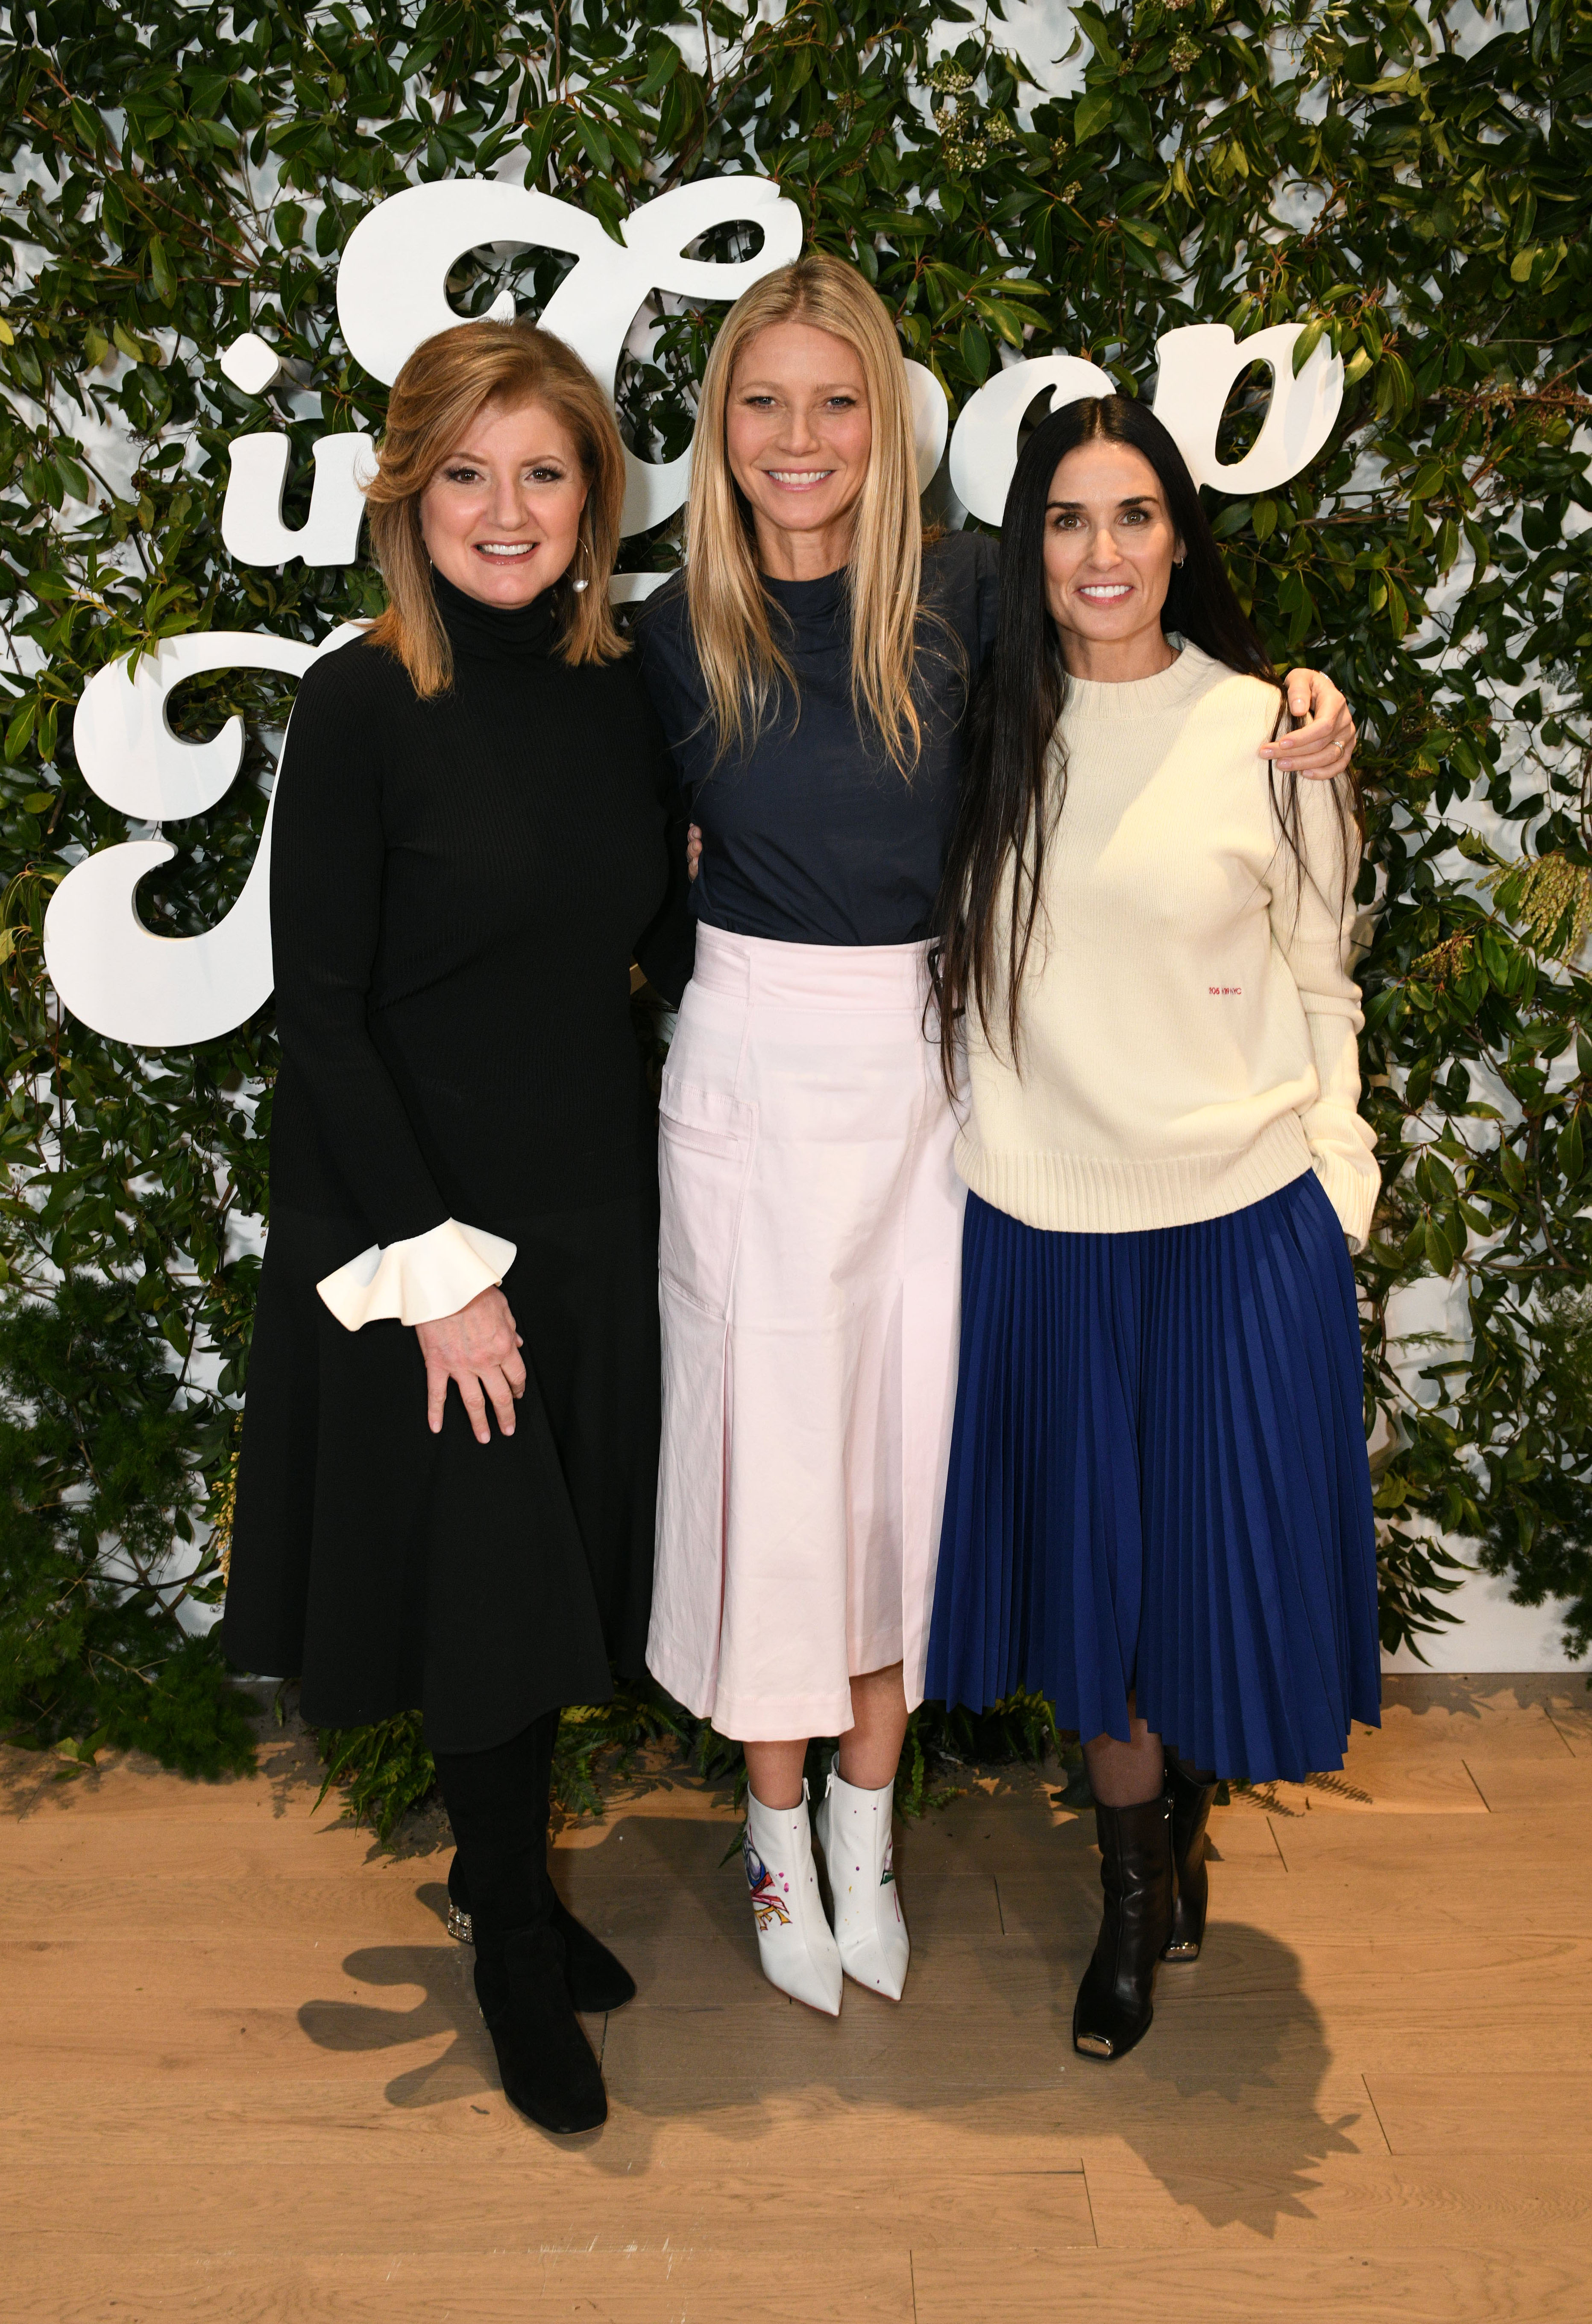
x: 544, y: 2059
x: 1114, y: 2001
x: 1189, y: 1795
x: 598, y: 1981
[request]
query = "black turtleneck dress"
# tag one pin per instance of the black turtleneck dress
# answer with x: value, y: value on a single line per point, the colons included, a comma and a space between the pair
x: 458, y: 888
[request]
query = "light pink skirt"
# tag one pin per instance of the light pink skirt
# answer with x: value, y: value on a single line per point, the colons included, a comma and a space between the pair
x: 810, y: 1253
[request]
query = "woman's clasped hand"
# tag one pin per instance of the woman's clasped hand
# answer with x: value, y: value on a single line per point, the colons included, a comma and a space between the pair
x: 477, y: 1348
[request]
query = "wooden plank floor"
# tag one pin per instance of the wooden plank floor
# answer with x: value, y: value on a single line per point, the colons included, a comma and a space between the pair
x: 243, y: 2076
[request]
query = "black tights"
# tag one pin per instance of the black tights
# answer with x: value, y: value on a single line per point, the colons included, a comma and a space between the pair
x: 497, y: 1803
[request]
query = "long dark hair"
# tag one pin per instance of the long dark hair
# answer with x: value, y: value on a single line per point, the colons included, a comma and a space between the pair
x: 1016, y: 778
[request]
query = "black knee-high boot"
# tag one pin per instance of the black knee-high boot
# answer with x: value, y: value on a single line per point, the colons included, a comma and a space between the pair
x: 1114, y: 2001
x: 1189, y: 1793
x: 497, y: 1803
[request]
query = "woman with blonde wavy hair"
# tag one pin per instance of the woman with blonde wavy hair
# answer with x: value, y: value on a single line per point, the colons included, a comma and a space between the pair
x: 471, y: 846
x: 812, y: 667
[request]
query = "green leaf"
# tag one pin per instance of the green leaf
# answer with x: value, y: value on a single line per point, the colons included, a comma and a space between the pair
x: 160, y: 271
x: 1092, y: 111
x: 974, y: 347
x: 664, y: 61
x: 1305, y: 345
x: 20, y: 727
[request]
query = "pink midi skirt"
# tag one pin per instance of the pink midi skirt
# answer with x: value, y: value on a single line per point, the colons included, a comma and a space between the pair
x: 810, y: 1262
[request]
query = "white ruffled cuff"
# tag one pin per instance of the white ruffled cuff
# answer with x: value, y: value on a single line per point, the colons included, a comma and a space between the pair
x: 420, y: 1279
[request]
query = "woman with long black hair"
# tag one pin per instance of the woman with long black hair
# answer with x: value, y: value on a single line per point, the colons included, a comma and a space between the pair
x: 1158, y: 1511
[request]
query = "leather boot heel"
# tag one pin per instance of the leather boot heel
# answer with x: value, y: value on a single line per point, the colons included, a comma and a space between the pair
x: 1190, y: 1801
x: 1115, y: 2002
x: 545, y: 2061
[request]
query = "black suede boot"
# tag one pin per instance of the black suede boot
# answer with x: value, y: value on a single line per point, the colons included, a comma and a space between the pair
x: 597, y: 1980
x: 543, y: 2057
x: 1114, y: 2001
x: 1189, y: 1795
x: 496, y: 1801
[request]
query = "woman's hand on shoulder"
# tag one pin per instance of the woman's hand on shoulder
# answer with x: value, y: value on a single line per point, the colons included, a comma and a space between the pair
x: 693, y: 850
x: 479, y: 1348
x: 1324, y: 744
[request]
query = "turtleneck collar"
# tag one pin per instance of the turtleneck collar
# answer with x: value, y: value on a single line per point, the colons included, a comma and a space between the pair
x: 808, y: 601
x: 495, y: 632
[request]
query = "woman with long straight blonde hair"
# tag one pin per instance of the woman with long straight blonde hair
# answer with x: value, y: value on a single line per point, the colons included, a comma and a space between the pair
x: 813, y: 667
x: 472, y: 844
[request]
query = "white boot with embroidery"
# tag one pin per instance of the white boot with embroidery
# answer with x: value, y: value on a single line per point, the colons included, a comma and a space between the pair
x: 854, y: 1830
x: 794, y: 1941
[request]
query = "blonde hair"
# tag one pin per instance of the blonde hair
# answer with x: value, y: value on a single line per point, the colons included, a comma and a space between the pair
x: 734, y: 640
x: 445, y: 384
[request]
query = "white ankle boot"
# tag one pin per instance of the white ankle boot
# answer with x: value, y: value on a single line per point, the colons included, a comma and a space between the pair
x: 854, y: 1830
x: 794, y: 1942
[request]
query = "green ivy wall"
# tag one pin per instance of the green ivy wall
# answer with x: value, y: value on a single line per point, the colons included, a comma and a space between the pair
x: 1412, y: 182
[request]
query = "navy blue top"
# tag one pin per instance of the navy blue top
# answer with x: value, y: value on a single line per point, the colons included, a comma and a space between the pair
x: 810, y: 835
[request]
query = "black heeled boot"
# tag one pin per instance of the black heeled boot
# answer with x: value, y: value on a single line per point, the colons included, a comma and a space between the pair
x: 496, y: 1801
x: 1189, y: 1795
x: 1116, y: 2000
x: 597, y: 1980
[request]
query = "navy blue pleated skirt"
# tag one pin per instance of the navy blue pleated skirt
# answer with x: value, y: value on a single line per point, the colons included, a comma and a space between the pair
x: 1159, y: 1485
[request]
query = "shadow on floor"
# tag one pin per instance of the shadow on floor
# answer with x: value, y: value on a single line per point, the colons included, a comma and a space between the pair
x: 1222, y: 2103
x: 1470, y: 1695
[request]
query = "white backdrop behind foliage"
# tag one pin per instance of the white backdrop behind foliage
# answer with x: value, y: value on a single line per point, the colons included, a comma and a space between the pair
x: 1410, y: 182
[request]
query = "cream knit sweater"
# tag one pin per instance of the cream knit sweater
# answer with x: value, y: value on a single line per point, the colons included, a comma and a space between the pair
x: 1188, y: 1025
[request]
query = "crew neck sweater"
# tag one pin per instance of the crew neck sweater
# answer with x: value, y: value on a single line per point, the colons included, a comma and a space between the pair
x: 458, y: 887
x: 811, y: 835
x: 1187, y: 1022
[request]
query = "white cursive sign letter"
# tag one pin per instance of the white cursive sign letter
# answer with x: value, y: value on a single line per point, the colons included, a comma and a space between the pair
x: 1199, y: 364
x: 110, y: 970
x: 251, y: 514
x: 391, y: 284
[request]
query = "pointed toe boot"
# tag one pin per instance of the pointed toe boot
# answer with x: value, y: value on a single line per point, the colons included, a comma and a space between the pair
x: 1116, y: 2001
x: 855, y: 1832
x: 795, y: 1943
x: 597, y: 1979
